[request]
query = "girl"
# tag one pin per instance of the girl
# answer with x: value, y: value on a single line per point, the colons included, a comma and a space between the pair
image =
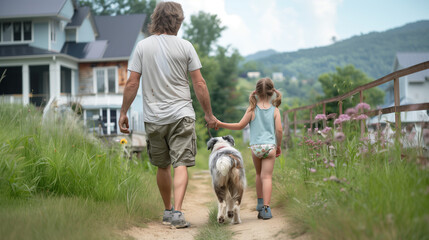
x: 264, y: 119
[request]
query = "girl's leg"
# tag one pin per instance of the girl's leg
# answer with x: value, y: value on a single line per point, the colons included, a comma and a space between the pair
x: 258, y: 164
x: 267, y: 167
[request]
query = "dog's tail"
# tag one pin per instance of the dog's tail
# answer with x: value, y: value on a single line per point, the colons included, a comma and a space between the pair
x: 223, y: 165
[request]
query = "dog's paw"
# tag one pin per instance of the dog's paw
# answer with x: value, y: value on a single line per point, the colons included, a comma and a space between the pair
x: 236, y: 221
x: 221, y: 219
x: 230, y: 214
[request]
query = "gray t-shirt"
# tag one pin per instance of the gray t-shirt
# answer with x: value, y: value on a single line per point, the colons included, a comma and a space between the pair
x: 164, y: 62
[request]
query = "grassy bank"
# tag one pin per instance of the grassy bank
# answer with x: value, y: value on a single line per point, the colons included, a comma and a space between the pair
x: 58, y: 182
x: 356, y: 189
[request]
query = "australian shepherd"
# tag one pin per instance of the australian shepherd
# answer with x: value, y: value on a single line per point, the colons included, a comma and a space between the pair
x: 228, y: 177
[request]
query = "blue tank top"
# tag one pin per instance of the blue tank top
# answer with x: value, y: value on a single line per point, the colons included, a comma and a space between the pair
x: 262, y: 130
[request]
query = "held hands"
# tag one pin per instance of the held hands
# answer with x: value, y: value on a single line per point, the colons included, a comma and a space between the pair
x: 278, y: 151
x: 211, y: 121
x: 123, y: 124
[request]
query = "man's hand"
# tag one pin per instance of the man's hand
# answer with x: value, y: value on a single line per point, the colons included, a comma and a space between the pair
x: 278, y: 151
x: 211, y: 121
x: 123, y: 124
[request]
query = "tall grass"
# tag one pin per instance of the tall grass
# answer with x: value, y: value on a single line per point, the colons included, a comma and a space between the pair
x: 55, y: 157
x: 355, y: 189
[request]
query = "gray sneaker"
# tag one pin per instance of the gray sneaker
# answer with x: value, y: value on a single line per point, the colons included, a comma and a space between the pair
x: 168, y: 215
x: 178, y: 220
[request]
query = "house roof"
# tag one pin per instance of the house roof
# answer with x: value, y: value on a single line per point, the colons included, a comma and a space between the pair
x: 408, y: 59
x: 121, y: 32
x: 79, y: 15
x: 23, y: 8
x: 87, y: 50
x: 22, y: 50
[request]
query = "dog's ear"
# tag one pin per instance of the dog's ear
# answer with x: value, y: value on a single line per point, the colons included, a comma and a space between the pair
x: 230, y: 139
x: 211, y: 143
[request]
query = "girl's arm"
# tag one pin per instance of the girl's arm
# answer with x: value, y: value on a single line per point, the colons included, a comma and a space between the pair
x: 279, y: 130
x: 237, y: 126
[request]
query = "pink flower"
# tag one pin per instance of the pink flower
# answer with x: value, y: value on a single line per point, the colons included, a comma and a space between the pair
x: 321, y: 117
x: 361, y: 117
x: 331, y: 116
x: 344, y: 117
x: 331, y: 164
x: 339, y: 136
x: 363, y: 106
x: 312, y: 170
x: 426, y: 136
x: 351, y: 111
x: 342, y: 190
x: 337, y: 121
x: 309, y: 130
x: 326, y: 130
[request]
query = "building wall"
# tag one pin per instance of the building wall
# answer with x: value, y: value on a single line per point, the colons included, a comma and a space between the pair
x: 67, y: 10
x: 86, y: 78
x: 418, y: 92
x: 85, y: 33
x: 41, y: 34
x: 60, y: 36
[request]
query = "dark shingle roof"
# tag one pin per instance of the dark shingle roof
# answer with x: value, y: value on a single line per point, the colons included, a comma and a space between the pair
x: 79, y: 15
x: 22, y: 50
x: 408, y: 59
x: 88, y: 50
x: 25, y: 8
x: 121, y: 32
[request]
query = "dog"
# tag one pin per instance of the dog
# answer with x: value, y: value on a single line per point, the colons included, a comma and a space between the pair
x: 228, y: 177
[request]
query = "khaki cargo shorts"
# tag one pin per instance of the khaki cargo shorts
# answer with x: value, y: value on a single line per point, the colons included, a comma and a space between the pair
x: 172, y: 144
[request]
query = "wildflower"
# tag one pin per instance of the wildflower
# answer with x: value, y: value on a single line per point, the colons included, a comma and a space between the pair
x: 321, y: 117
x: 331, y: 116
x: 123, y: 141
x: 342, y: 190
x: 316, y: 129
x: 325, y: 179
x: 312, y: 170
x: 351, y: 111
x: 337, y: 121
x: 426, y: 136
x: 344, y: 117
x: 363, y: 106
x: 334, y: 178
x: 326, y: 130
x: 361, y: 117
x: 331, y: 164
x: 339, y: 136
x: 309, y: 131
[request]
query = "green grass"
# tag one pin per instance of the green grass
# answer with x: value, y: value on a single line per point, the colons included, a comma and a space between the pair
x: 213, y: 230
x: 380, y: 194
x: 54, y: 174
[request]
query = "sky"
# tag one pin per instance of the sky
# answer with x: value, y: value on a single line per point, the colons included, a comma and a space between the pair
x: 290, y: 25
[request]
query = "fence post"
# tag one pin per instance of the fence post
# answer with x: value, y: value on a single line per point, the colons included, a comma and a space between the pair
x: 341, y: 106
x: 324, y: 113
x: 286, y: 122
x: 311, y: 119
x: 362, y: 125
x: 294, y: 123
x: 397, y: 103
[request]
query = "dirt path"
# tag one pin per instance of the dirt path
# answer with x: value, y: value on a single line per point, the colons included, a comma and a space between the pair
x: 196, y: 205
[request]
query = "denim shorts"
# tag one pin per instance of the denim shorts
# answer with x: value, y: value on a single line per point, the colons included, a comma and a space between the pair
x: 172, y: 144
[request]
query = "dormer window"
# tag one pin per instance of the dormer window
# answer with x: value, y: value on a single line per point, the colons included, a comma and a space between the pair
x: 53, y: 31
x: 11, y: 32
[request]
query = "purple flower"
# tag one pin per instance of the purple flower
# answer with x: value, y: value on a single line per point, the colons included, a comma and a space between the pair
x: 331, y: 116
x: 426, y: 136
x: 339, y: 136
x: 351, y: 111
x: 321, y: 117
x: 363, y: 106
x: 326, y: 130
x: 331, y: 164
x: 361, y: 117
x: 344, y: 117
x: 312, y: 170
x: 309, y: 130
x: 337, y: 121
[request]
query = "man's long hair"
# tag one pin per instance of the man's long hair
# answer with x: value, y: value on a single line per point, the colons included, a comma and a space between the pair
x: 166, y: 18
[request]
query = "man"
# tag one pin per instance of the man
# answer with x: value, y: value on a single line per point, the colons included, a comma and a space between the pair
x: 163, y: 61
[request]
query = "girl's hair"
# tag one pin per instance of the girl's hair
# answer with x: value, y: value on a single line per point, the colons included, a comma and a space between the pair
x: 264, y: 89
x: 166, y: 18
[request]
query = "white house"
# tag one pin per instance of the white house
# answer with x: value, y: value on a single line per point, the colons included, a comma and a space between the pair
x: 56, y: 51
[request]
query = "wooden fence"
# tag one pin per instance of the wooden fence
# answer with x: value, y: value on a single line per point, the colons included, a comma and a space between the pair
x: 397, y: 108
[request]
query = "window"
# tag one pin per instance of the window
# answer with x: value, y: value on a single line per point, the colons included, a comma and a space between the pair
x: 101, y: 121
x: 66, y: 79
x: 15, y: 31
x: 53, y: 31
x: 105, y: 80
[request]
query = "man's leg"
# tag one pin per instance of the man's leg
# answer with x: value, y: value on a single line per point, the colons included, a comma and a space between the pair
x: 163, y: 179
x: 180, y: 184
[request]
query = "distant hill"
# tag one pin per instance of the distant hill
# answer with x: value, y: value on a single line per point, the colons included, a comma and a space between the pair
x: 372, y: 53
x: 261, y: 54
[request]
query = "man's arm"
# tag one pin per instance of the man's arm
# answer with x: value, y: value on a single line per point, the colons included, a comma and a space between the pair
x: 130, y: 92
x: 200, y: 89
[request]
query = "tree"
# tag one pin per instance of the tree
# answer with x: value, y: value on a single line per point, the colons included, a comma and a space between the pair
x: 344, y: 80
x: 203, y: 30
x: 122, y: 7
